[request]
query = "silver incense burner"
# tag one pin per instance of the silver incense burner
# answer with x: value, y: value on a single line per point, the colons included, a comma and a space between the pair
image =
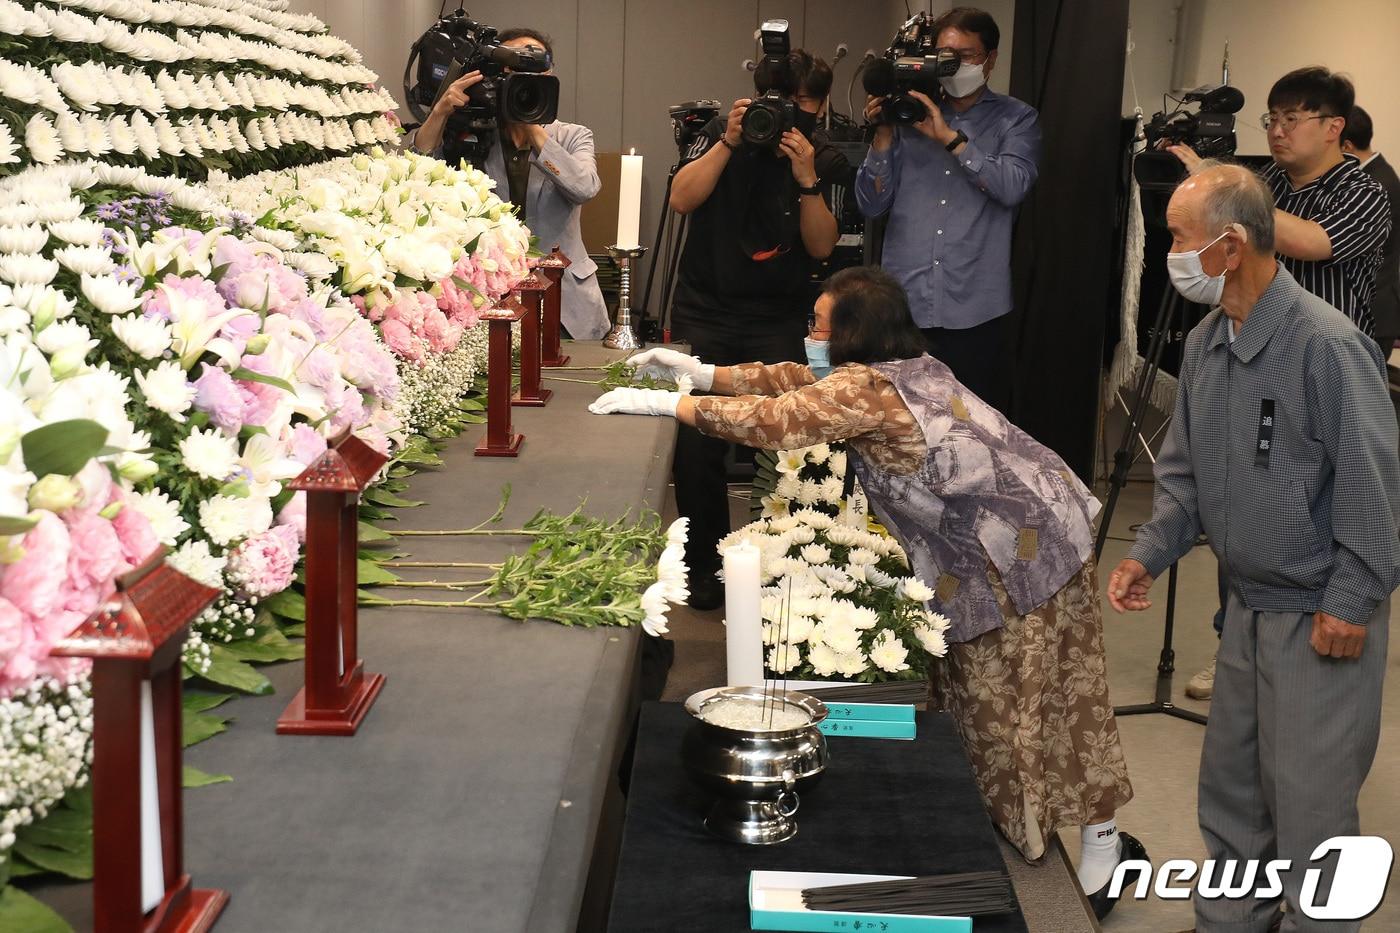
x: 754, y: 774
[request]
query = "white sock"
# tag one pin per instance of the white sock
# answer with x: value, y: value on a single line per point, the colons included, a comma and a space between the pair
x: 1098, y: 854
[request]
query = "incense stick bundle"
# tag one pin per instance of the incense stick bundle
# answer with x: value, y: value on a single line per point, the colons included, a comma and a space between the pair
x: 895, y: 691
x: 969, y: 894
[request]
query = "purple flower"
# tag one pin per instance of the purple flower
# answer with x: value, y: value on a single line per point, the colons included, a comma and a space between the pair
x: 219, y: 396
x: 307, y: 446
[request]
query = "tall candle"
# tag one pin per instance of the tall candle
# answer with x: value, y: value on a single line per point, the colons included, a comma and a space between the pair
x: 152, y: 855
x: 629, y: 202
x: 743, y: 617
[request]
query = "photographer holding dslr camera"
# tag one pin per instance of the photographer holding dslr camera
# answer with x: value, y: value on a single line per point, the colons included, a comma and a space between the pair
x: 949, y: 163
x: 756, y: 185
x: 545, y: 167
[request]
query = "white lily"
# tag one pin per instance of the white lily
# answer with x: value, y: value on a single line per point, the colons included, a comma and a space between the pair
x: 193, y: 326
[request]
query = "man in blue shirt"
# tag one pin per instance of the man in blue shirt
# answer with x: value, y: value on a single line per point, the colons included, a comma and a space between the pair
x: 951, y: 184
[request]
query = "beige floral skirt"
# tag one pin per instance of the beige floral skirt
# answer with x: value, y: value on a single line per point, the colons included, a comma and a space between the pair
x: 1031, y: 702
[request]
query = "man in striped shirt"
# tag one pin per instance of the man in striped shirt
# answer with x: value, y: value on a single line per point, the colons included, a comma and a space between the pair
x: 1331, y: 218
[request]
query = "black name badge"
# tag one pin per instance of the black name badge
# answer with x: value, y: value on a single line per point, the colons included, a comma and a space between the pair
x: 1265, y: 444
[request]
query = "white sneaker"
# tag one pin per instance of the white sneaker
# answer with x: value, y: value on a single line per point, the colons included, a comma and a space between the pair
x: 1202, y: 685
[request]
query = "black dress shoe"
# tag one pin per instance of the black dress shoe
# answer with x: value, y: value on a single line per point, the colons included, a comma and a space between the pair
x: 706, y: 592
x: 1129, y: 849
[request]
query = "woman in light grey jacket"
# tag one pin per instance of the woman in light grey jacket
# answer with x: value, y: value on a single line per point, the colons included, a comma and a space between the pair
x: 548, y: 173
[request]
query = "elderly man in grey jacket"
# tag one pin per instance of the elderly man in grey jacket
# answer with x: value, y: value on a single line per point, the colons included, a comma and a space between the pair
x: 1282, y: 449
x: 548, y: 173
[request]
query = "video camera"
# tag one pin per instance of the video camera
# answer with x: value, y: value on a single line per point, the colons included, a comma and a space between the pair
x: 911, y: 63
x: 688, y: 121
x: 1209, y: 131
x: 773, y: 113
x: 456, y: 45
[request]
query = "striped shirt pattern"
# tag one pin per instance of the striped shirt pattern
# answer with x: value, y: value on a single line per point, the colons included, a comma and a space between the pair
x: 1351, y: 207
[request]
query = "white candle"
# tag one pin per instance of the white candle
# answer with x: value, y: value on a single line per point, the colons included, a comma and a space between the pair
x: 152, y: 857
x: 743, y: 617
x: 629, y: 202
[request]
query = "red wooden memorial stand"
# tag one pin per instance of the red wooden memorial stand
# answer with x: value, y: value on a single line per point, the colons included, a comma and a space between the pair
x: 530, y: 294
x: 338, y: 693
x: 500, y: 440
x: 552, y: 268
x: 134, y: 639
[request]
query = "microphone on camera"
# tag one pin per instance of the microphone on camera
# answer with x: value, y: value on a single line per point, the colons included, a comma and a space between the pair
x: 749, y: 64
x: 878, y: 78
x: 841, y: 51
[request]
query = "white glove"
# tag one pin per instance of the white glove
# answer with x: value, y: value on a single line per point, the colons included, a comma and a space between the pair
x: 665, y: 363
x: 628, y: 401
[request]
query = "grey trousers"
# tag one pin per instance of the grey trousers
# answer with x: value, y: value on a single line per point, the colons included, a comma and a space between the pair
x: 1291, y: 739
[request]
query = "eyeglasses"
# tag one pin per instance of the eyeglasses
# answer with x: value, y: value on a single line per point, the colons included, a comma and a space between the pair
x: 1288, y: 122
x: 967, y: 56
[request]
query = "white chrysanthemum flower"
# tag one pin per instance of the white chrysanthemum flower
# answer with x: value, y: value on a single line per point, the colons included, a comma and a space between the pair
x: 168, y: 137
x: 30, y: 238
x: 655, y: 605
x: 837, y: 463
x: 887, y: 652
x: 802, y: 534
x: 64, y: 335
x: 853, y: 664
x: 877, y: 577
x: 838, y: 635
x: 782, y: 523
x: 229, y: 519
x: 166, y: 389
x: 41, y: 139
x: 95, y: 139
x: 832, y: 488
x: 915, y: 589
x: 809, y: 493
x: 862, y: 617
x: 162, y: 512
x: 147, y: 337
x: 189, y: 140
x: 27, y: 269
x: 784, y: 658
x: 70, y: 132
x: 824, y: 661
x: 818, y: 520
x: 195, y: 560
x: 672, y: 573
x: 59, y: 209
x: 818, y: 453
x: 932, y: 640
x: 209, y: 453
x: 9, y: 149
x: 863, y: 556
x: 86, y: 260
x: 816, y: 554
x: 110, y: 296
x: 123, y: 139
x: 79, y: 232
x: 788, y: 487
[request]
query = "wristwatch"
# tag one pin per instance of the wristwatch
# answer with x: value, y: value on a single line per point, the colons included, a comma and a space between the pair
x: 958, y: 140
x: 814, y: 189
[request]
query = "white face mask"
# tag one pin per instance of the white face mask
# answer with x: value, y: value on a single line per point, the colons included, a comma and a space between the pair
x: 968, y: 79
x: 1190, y: 277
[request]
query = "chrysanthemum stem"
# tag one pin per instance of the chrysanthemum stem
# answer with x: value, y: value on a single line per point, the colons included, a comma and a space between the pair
x: 437, y: 563
x: 438, y: 584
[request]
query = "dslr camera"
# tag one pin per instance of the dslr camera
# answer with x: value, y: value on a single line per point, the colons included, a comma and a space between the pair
x: 456, y: 45
x: 911, y: 63
x: 773, y: 113
x: 1209, y: 130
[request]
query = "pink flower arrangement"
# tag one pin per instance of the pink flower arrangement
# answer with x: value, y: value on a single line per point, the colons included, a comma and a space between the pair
x: 66, y: 569
x: 265, y: 563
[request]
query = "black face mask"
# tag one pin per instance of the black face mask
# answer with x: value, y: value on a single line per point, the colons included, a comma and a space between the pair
x: 805, y: 123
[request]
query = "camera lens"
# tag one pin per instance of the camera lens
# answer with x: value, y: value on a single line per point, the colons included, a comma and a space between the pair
x: 530, y: 98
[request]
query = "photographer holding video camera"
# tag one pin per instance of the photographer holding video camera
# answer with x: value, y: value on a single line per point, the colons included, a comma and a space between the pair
x: 495, y: 103
x: 949, y: 163
x: 755, y: 184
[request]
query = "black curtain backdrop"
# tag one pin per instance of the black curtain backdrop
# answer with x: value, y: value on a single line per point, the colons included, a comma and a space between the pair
x: 1068, y: 64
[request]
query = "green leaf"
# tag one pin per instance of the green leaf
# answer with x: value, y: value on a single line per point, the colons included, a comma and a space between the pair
x: 73, y: 864
x: 288, y: 603
x: 424, y: 457
x: 197, y: 701
x: 197, y: 727
x: 369, y: 533
x: 63, y: 447
x: 80, y: 799
x: 373, y: 512
x: 263, y: 653
x: 10, y: 525
x: 244, y: 373
x: 193, y: 777
x: 295, y: 631
x: 20, y: 911
x: 369, y: 573
x: 386, y: 498
x: 226, y: 669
